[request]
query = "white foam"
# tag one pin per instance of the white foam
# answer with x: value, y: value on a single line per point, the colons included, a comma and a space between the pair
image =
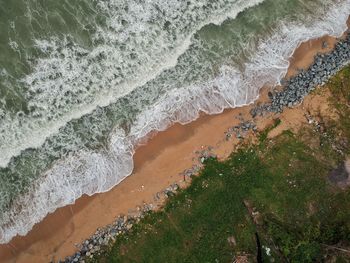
x: 66, y: 85
x: 92, y: 172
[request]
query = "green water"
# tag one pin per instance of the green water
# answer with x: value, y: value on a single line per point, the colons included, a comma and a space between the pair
x: 82, y: 82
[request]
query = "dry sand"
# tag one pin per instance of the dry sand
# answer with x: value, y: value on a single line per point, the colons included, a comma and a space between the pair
x: 157, y: 165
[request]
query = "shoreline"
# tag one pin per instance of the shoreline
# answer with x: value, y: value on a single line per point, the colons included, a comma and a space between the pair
x: 158, y: 164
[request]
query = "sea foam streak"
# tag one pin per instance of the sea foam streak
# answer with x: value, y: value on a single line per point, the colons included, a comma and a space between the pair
x: 92, y: 172
x: 71, y: 81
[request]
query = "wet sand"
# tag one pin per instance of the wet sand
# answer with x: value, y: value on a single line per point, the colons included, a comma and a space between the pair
x: 157, y: 165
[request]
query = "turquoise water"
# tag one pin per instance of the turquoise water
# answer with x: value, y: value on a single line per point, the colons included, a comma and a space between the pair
x: 82, y: 82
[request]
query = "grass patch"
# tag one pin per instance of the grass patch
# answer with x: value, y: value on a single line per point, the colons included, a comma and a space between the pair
x: 263, y: 135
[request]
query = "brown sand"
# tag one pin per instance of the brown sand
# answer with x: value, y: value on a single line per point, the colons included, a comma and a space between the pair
x: 157, y: 165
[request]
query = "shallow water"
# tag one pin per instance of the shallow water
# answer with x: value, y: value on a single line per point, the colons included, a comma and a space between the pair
x: 82, y: 82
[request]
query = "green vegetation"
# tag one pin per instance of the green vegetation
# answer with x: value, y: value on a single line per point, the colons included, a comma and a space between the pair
x: 340, y: 89
x: 263, y: 134
x: 278, y: 189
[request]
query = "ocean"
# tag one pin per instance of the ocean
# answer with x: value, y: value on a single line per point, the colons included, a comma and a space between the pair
x: 83, y: 83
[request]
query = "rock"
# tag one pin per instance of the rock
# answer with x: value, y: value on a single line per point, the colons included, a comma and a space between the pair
x: 324, y: 66
x: 232, y: 241
x: 169, y: 193
x: 175, y: 187
x: 253, y: 112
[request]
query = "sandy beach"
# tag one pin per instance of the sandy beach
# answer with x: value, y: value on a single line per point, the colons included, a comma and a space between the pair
x: 158, y: 164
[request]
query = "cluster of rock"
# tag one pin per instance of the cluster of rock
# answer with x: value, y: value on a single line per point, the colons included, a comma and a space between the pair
x: 98, y: 242
x: 101, y: 239
x: 296, y: 88
x: 169, y: 191
x: 193, y: 170
x: 206, y: 154
x: 240, y: 130
x: 201, y: 156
